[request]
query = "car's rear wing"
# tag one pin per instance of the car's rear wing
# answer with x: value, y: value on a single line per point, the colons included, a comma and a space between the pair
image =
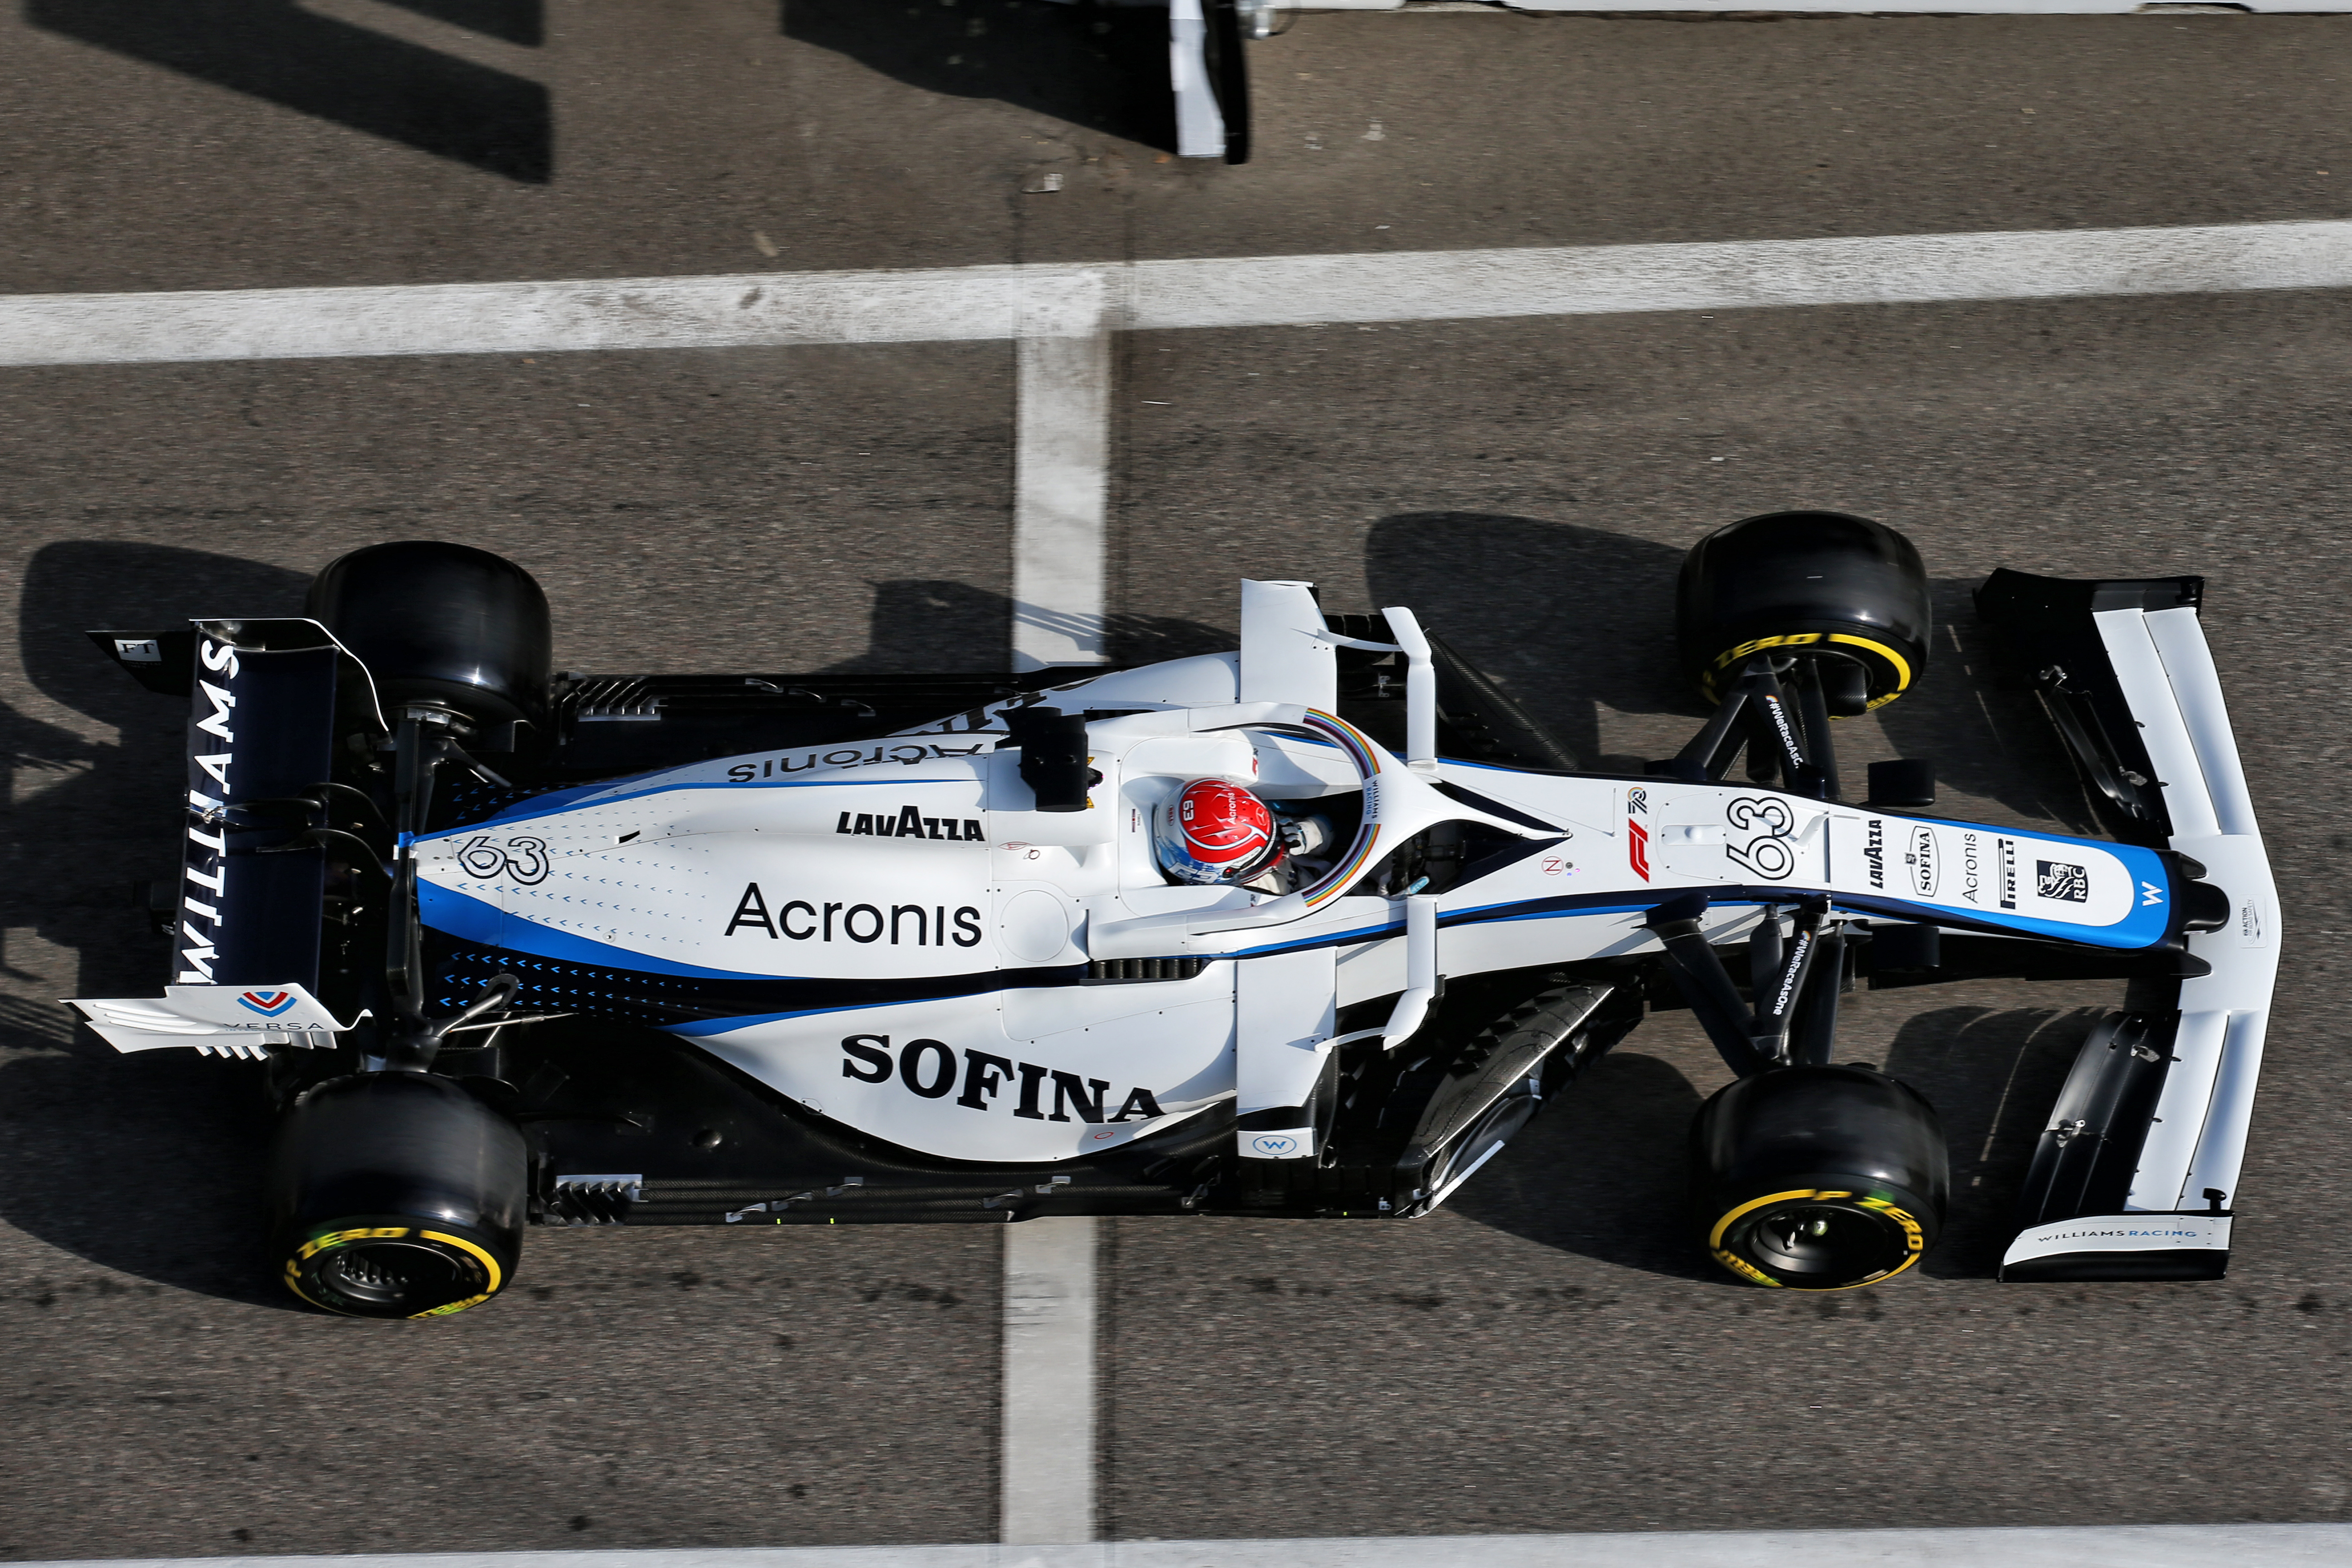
x: 264, y: 700
x: 2135, y: 1175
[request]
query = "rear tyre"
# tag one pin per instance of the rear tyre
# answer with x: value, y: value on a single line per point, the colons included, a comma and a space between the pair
x: 1819, y: 1178
x: 1844, y: 589
x: 442, y: 626
x: 397, y: 1195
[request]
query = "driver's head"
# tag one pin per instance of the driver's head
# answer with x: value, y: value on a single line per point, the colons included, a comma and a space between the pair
x: 1214, y: 832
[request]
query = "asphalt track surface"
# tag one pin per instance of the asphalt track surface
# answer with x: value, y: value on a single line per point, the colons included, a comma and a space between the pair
x: 1547, y: 1354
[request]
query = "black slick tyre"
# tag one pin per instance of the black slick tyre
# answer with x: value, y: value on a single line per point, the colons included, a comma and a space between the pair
x: 397, y: 1195
x: 1812, y: 582
x: 442, y: 626
x: 1819, y: 1178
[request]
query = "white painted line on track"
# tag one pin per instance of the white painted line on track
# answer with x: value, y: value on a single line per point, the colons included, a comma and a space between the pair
x: 980, y: 303
x: 1061, y: 455
x: 1046, y: 1480
x: 2092, y: 1546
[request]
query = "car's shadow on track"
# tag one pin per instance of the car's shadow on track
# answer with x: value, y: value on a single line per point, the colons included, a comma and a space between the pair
x: 1576, y: 621
x: 1102, y: 66
x: 1601, y: 1173
x: 1987, y: 739
x: 917, y: 619
x: 151, y: 1165
x: 147, y: 1166
x: 1992, y: 1077
x: 277, y: 51
x: 1569, y: 620
x: 1604, y: 1174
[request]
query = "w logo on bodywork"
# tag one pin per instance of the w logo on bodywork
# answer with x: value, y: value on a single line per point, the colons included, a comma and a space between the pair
x: 269, y: 1003
x: 1272, y: 1148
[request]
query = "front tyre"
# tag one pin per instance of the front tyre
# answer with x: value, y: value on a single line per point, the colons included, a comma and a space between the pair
x: 1842, y: 590
x: 1819, y: 1178
x: 397, y: 1195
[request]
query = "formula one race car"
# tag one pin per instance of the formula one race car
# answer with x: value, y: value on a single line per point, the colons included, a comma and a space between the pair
x: 1310, y: 928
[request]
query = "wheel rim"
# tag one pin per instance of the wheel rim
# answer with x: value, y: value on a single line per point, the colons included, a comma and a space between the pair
x: 1813, y: 1240
x: 392, y: 1271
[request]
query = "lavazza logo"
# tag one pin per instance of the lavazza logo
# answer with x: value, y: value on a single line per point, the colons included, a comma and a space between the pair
x: 990, y: 1082
x: 1873, y: 851
x: 908, y: 822
x: 206, y: 864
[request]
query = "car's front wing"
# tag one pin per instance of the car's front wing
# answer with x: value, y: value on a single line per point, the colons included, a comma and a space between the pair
x: 2137, y: 1172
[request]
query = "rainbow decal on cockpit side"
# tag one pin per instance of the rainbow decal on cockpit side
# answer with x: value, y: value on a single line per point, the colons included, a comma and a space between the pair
x: 1366, y: 757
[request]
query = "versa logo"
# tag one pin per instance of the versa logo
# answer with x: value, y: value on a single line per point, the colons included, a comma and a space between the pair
x: 269, y: 1003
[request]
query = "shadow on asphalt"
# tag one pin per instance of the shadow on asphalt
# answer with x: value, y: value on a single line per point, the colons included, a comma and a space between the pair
x: 1101, y: 66
x: 1992, y: 1077
x: 1575, y: 619
x: 153, y: 1165
x: 277, y: 51
x: 1571, y: 619
x: 1605, y: 1174
x: 914, y: 617
x: 148, y: 1164
x: 1986, y: 740
x: 1601, y: 1173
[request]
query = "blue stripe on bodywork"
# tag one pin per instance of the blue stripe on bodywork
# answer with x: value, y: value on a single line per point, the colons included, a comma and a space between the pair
x: 471, y: 919
x: 701, y: 1026
x: 561, y: 801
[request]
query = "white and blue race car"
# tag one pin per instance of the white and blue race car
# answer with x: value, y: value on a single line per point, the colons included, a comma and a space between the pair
x: 519, y: 948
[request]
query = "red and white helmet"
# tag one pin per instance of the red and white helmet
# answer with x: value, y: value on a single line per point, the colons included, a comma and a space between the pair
x: 1214, y: 832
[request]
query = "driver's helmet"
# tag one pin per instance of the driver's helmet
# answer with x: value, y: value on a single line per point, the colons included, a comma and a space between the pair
x: 1214, y: 832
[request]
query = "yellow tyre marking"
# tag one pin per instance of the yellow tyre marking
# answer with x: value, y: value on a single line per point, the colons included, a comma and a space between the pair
x: 294, y: 1283
x: 488, y: 1261
x: 331, y: 1239
x: 1902, y: 666
x: 1740, y: 1266
x: 1801, y: 640
x: 335, y: 1238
